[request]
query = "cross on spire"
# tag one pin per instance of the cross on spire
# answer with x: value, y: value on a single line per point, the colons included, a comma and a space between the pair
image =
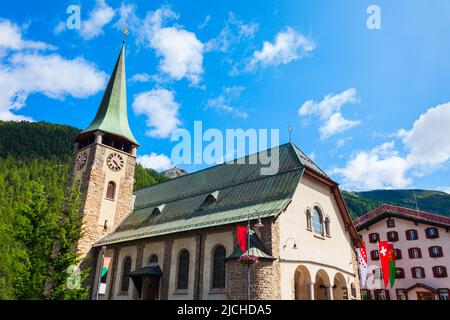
x: 125, y: 32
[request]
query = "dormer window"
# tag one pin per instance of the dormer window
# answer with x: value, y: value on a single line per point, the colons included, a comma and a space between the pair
x: 209, y: 199
x: 158, y: 209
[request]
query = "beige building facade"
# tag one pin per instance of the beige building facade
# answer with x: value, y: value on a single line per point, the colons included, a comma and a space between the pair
x: 422, y: 252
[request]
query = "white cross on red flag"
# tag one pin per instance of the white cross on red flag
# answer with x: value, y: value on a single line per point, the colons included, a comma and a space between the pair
x: 383, y: 247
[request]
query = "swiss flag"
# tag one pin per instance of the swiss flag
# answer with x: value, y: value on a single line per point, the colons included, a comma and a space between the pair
x: 383, y: 247
x: 241, y: 237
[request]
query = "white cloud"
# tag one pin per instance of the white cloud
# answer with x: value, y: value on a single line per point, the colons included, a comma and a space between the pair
x: 427, y: 145
x: 329, y: 112
x: 378, y: 168
x: 224, y: 102
x: 428, y: 141
x: 234, y: 32
x: 26, y: 73
x: 11, y: 38
x: 444, y: 189
x: 287, y: 46
x: 100, y: 16
x: 335, y: 124
x: 158, y: 162
x: 161, y: 109
x: 60, y: 27
x: 140, y: 77
x: 180, y: 50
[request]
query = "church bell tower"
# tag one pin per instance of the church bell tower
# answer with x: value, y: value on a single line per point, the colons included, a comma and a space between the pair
x: 104, y: 163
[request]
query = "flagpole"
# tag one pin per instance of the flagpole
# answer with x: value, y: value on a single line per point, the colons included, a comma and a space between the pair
x: 100, y: 272
x: 248, y: 250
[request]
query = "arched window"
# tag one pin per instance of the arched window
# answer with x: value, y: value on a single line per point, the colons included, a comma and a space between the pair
x: 317, y: 221
x: 327, y: 226
x: 183, y: 270
x: 111, y: 190
x: 308, y: 220
x: 153, y: 259
x: 218, y: 268
x: 125, y: 284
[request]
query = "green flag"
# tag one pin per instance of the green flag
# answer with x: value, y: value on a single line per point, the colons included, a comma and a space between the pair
x: 392, y: 267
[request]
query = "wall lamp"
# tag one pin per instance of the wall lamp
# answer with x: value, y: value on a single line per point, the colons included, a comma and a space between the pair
x: 294, y: 246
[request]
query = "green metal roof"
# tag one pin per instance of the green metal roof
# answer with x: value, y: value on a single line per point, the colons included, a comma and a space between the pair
x: 240, y: 188
x: 112, y: 114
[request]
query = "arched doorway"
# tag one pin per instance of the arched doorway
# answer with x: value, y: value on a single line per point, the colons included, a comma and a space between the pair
x: 321, y: 285
x: 339, y: 287
x: 302, y: 279
x: 150, y: 288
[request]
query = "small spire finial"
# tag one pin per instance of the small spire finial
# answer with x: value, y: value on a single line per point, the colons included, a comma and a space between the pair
x: 125, y: 32
x: 290, y: 132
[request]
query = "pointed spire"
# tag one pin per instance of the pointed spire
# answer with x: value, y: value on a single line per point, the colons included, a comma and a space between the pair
x: 112, y: 114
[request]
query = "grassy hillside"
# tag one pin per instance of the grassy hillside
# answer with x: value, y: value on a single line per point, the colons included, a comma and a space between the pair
x: 359, y: 203
x: 34, y: 199
x: 43, y: 140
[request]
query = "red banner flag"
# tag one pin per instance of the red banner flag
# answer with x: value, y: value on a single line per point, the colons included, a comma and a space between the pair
x: 241, y: 237
x: 383, y: 247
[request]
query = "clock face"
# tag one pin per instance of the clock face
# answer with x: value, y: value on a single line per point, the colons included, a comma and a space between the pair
x: 115, y: 161
x: 81, y: 161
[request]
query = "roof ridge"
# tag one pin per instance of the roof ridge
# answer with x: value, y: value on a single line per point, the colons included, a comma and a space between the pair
x: 190, y: 195
x: 212, y: 167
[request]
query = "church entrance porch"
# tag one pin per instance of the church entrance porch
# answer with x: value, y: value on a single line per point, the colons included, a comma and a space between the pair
x: 340, y: 291
x: 146, y: 281
x: 303, y: 285
x: 322, y: 286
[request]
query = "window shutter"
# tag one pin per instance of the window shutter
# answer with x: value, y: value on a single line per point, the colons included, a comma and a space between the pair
x: 387, y: 295
x: 399, y: 253
x: 419, y: 253
x: 376, y: 294
x: 410, y: 253
x: 445, y: 272
x: 434, y: 272
x: 407, y: 235
x: 423, y: 272
x: 413, y: 273
x: 430, y: 251
x: 441, y: 252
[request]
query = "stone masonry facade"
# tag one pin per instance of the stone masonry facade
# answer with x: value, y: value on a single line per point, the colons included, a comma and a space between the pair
x: 265, y: 277
x: 92, y: 188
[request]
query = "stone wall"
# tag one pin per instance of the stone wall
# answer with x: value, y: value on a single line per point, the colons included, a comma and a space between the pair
x: 264, y: 277
x: 92, y: 188
x: 356, y: 272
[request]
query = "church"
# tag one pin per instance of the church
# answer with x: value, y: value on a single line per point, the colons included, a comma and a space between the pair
x: 179, y: 239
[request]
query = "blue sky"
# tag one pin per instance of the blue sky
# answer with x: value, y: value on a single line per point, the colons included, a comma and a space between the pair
x: 371, y: 107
